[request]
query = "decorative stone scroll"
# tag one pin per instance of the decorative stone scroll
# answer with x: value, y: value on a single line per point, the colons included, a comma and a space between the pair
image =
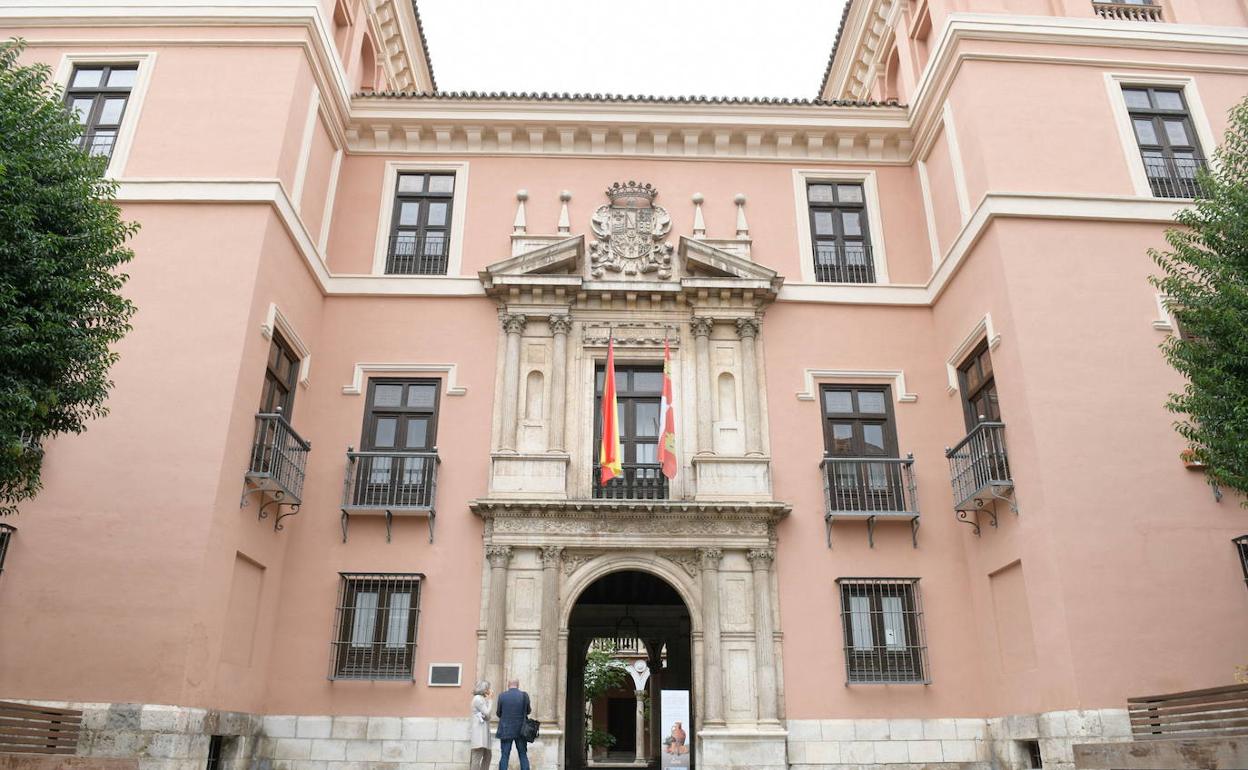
x: 686, y: 560
x: 575, y: 560
x: 630, y: 232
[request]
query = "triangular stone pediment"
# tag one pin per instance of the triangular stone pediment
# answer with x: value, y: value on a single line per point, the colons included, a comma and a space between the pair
x: 701, y: 257
x: 560, y: 258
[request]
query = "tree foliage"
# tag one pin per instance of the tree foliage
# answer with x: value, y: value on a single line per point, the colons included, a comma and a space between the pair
x: 603, y: 671
x: 1205, y: 281
x: 62, y: 239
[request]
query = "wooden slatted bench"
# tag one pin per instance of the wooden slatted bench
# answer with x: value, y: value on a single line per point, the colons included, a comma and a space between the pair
x: 1213, y: 713
x: 26, y: 729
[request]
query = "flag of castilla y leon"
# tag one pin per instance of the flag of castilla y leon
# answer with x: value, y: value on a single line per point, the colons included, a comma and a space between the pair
x: 609, y: 453
x: 667, y: 414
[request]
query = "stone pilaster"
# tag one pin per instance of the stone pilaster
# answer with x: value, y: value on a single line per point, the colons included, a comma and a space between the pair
x: 640, y: 756
x: 764, y: 634
x: 747, y: 330
x: 713, y: 703
x: 514, y: 325
x: 560, y: 325
x: 547, y: 707
x: 495, y: 644
x: 702, y: 347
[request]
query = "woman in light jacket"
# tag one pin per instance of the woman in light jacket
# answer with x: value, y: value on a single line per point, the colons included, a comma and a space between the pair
x: 479, y: 729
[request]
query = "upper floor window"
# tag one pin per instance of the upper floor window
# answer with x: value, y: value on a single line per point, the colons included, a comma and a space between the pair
x: 6, y: 534
x: 1167, y: 139
x: 858, y: 421
x: 97, y: 95
x: 979, y: 388
x: 421, y: 224
x: 882, y: 619
x: 1241, y: 546
x: 281, y: 372
x: 376, y: 626
x: 638, y: 395
x: 839, y: 235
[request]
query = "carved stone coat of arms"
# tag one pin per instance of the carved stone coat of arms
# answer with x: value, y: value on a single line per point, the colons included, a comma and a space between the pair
x: 630, y: 233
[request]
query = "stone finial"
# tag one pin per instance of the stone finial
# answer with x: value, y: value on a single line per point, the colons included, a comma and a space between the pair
x: 701, y: 326
x: 747, y: 327
x: 565, y: 222
x: 513, y: 323
x: 560, y: 324
x: 499, y: 555
x: 551, y: 555
x: 699, y: 224
x: 520, y: 225
x: 761, y: 558
x: 710, y: 557
x: 743, y: 227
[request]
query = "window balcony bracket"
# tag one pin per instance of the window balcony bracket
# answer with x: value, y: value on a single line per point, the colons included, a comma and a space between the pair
x: 870, y: 489
x: 391, y: 484
x: 870, y: 519
x: 389, y: 514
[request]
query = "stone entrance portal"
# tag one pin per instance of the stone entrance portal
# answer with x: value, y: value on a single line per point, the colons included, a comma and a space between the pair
x: 642, y: 622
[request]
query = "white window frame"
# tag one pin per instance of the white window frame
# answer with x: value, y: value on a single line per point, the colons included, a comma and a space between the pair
x: 803, y: 177
x: 1114, y: 83
x: 276, y: 320
x: 385, y: 216
x: 145, y: 60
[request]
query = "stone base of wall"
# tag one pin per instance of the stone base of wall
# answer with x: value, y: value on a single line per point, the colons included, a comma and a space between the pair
x: 731, y: 749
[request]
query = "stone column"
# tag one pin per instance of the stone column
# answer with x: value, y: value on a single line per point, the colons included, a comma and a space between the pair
x: 513, y: 324
x: 764, y: 634
x: 560, y: 325
x: 713, y: 702
x: 705, y: 402
x: 495, y: 633
x: 641, y: 726
x: 747, y: 330
x: 547, y: 707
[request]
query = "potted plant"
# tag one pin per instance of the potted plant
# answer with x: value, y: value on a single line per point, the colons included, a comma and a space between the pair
x: 599, y: 742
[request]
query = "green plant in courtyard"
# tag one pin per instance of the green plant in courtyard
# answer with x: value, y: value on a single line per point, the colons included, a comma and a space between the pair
x: 61, y: 241
x: 599, y: 739
x: 603, y: 672
x: 1205, y: 281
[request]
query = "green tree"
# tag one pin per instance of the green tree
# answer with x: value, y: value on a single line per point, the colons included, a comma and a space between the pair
x: 62, y: 239
x: 1205, y: 280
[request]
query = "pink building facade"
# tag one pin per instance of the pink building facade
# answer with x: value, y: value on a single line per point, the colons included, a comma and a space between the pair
x: 929, y: 509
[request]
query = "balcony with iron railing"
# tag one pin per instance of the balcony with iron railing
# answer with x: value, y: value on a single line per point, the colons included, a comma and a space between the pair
x: 276, y: 467
x: 1127, y: 11
x: 392, y: 484
x: 979, y: 471
x: 413, y: 254
x: 1174, y: 177
x: 640, y: 481
x: 870, y: 489
x: 848, y: 262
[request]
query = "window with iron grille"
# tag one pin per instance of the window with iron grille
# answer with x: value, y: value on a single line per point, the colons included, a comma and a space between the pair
x: 420, y: 233
x: 6, y: 534
x: 883, y: 624
x: 97, y: 95
x: 280, y: 374
x: 397, y: 460
x: 638, y: 397
x: 1241, y: 546
x: 838, y: 232
x: 979, y: 388
x: 1168, y: 145
x: 375, y: 626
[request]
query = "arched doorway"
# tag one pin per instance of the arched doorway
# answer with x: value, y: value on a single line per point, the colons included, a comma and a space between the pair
x: 637, y: 624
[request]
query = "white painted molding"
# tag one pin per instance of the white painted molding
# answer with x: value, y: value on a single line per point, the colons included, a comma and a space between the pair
x: 956, y: 163
x: 929, y: 211
x: 276, y: 320
x: 983, y: 330
x: 875, y: 217
x: 134, y: 103
x: 305, y: 148
x: 453, y: 388
x: 1165, y: 319
x: 459, y: 209
x: 812, y: 378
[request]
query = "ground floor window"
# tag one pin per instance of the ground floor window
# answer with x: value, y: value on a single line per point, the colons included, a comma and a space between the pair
x: 1241, y: 547
x: 376, y: 625
x: 883, y: 625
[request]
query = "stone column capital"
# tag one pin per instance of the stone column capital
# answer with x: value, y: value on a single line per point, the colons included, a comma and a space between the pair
x: 560, y: 323
x: 513, y: 323
x: 551, y: 556
x: 761, y: 558
x: 710, y: 557
x: 499, y: 555
x: 701, y: 326
x: 747, y: 327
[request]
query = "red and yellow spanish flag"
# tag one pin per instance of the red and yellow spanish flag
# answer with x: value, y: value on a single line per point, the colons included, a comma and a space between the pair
x: 667, y: 415
x: 609, y: 455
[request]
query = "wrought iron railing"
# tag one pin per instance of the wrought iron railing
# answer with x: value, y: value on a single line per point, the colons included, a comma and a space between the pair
x: 412, y: 254
x: 979, y: 462
x: 390, y: 480
x: 879, y: 486
x: 847, y: 262
x: 622, y: 644
x: 641, y: 481
x: 1174, y: 177
x: 1127, y: 11
x: 279, y: 456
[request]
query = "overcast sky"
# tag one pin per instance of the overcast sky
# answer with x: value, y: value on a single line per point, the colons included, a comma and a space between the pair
x: 657, y: 47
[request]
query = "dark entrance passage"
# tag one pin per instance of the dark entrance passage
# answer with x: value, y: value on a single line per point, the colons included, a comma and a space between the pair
x: 630, y: 693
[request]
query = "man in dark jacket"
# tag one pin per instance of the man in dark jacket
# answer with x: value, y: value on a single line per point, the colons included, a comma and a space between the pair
x: 513, y: 707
